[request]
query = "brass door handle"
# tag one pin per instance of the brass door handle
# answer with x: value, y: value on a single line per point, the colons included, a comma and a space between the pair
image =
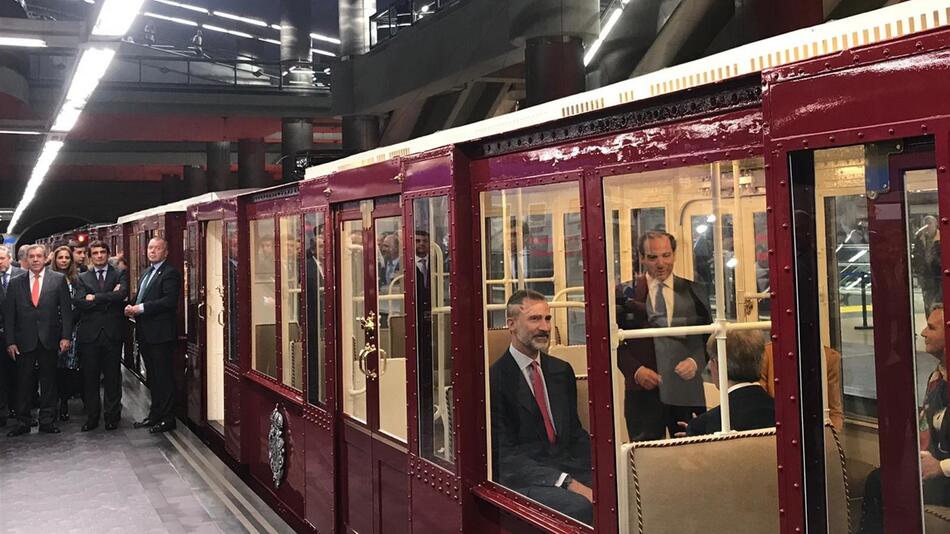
x: 361, y: 359
x: 221, y: 317
x: 198, y: 311
x: 383, y: 361
x: 368, y: 323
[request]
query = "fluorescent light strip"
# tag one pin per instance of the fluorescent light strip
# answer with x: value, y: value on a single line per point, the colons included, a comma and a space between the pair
x: 604, y: 32
x: 186, y: 22
x: 20, y: 132
x: 324, y: 38
x: 26, y: 42
x: 239, y: 18
x: 225, y: 30
x: 184, y: 6
x: 40, y: 170
x: 92, y: 67
x: 271, y: 41
x: 322, y: 52
x: 116, y: 17
x: 277, y: 27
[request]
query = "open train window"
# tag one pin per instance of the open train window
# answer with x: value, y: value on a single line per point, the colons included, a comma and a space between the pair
x: 532, y: 258
x: 684, y: 271
x: 263, y: 298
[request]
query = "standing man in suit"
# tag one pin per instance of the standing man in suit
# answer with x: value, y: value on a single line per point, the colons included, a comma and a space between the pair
x: 101, y: 294
x: 750, y: 405
x: 539, y: 448
x: 156, y: 327
x: 663, y: 375
x: 38, y: 317
x: 79, y: 252
x: 7, y: 365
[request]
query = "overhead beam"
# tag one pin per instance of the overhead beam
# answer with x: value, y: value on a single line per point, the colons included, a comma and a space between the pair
x: 56, y: 34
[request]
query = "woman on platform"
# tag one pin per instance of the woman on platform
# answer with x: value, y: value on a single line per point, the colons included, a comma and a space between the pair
x: 69, y: 379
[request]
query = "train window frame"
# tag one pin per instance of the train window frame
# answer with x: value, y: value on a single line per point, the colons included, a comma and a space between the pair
x: 322, y: 218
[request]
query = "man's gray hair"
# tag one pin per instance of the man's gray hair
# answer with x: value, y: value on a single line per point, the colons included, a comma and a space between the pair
x: 5, y: 250
x: 34, y: 246
x: 21, y: 252
x: 744, y: 350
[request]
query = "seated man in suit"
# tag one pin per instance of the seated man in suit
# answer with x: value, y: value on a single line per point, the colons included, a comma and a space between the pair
x: 539, y: 448
x: 750, y: 406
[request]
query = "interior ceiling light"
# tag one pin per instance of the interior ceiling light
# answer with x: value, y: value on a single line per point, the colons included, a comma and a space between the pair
x: 177, y: 20
x: 184, y: 6
x: 231, y: 16
x: 92, y: 67
x: 225, y: 30
x: 324, y: 38
x: 322, y: 52
x: 28, y: 42
x: 604, y: 32
x: 43, y: 163
x: 276, y: 27
x: 20, y: 132
x: 271, y: 41
x: 116, y: 17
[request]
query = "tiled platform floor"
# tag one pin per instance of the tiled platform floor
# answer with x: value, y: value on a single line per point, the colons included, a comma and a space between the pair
x: 124, y: 481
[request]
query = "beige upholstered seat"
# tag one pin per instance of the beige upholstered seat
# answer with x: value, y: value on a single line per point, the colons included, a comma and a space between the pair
x: 718, y: 483
x: 936, y: 519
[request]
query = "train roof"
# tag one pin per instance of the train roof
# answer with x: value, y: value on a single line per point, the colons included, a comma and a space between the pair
x: 834, y: 36
x: 182, y: 205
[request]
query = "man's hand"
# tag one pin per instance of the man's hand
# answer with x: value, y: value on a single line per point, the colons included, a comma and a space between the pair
x: 63, y: 345
x: 647, y: 378
x: 686, y: 369
x: 117, y: 287
x: 683, y: 425
x: 129, y: 311
x: 929, y: 466
x: 13, y: 352
x: 90, y: 297
x: 582, y: 490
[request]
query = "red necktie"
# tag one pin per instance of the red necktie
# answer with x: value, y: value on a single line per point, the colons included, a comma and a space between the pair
x: 36, y: 291
x: 538, y: 385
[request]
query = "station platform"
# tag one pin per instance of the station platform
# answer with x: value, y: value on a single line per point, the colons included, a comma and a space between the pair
x: 123, y: 481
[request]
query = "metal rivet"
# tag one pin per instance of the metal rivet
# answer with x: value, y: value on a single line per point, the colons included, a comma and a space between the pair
x: 890, y: 131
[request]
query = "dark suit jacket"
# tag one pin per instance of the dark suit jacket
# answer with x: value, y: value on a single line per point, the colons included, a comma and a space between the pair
x: 32, y: 327
x: 522, y: 456
x: 632, y: 314
x: 159, y: 322
x: 750, y: 408
x: 102, y: 316
x: 14, y: 272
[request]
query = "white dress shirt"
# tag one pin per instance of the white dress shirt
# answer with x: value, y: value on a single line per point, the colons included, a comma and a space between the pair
x: 653, y: 285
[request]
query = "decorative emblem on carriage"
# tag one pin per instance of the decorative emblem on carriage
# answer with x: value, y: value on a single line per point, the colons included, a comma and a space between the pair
x: 275, y: 445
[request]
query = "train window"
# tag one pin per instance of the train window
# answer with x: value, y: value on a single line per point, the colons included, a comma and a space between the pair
x: 539, y: 443
x: 291, y: 295
x: 231, y: 235
x: 314, y: 228
x: 433, y: 328
x: 353, y: 309
x: 391, y: 338
x: 263, y: 293
x: 683, y: 268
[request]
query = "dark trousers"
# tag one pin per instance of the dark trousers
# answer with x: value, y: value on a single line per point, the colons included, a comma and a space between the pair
x: 7, y: 383
x: 25, y: 362
x: 160, y: 374
x: 101, y: 359
x: 649, y: 419
x: 564, y: 500
x: 935, y: 490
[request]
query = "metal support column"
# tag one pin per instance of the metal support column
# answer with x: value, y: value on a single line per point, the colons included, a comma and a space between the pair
x: 554, y: 68
x: 196, y: 180
x: 296, y: 136
x: 219, y: 166
x: 251, y: 171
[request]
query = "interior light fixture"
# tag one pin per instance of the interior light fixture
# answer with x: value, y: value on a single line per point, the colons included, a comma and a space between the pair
x: 21, y: 132
x: 239, y: 18
x: 184, y: 6
x: 322, y: 52
x: 66, y: 119
x: 91, y: 68
x: 324, y: 38
x: 271, y: 41
x: 43, y: 163
x: 604, y: 32
x: 277, y: 27
x: 225, y: 30
x: 116, y: 17
x: 27, y: 42
x: 177, y: 20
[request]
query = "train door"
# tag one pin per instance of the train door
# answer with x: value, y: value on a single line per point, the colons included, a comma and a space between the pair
x: 866, y: 230
x: 213, y: 290
x: 373, y: 365
x: 195, y: 314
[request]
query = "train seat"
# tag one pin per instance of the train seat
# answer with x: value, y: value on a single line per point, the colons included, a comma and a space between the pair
x: 732, y: 484
x: 576, y: 355
x: 936, y: 518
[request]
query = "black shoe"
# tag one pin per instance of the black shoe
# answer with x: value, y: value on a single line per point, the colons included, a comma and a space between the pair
x: 90, y: 426
x: 164, y: 426
x: 144, y: 423
x: 18, y: 431
x: 49, y: 429
x: 64, y: 410
x: 34, y: 422
x: 112, y: 426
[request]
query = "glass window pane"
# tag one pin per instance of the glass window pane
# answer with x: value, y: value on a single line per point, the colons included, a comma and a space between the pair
x: 263, y: 303
x: 433, y: 329
x: 314, y: 228
x: 391, y: 338
x: 234, y: 340
x: 352, y: 309
x: 290, y: 303
x: 539, y: 416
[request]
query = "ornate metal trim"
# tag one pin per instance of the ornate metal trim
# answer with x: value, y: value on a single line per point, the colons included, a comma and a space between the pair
x: 275, y: 446
x: 273, y: 194
x: 669, y: 108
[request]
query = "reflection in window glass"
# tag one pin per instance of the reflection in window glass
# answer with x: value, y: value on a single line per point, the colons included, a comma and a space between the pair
x: 391, y: 338
x: 355, y: 346
x: 433, y: 327
x: 290, y: 300
x: 539, y: 415
x: 314, y: 227
x: 263, y: 303
x: 674, y: 232
x: 234, y: 341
